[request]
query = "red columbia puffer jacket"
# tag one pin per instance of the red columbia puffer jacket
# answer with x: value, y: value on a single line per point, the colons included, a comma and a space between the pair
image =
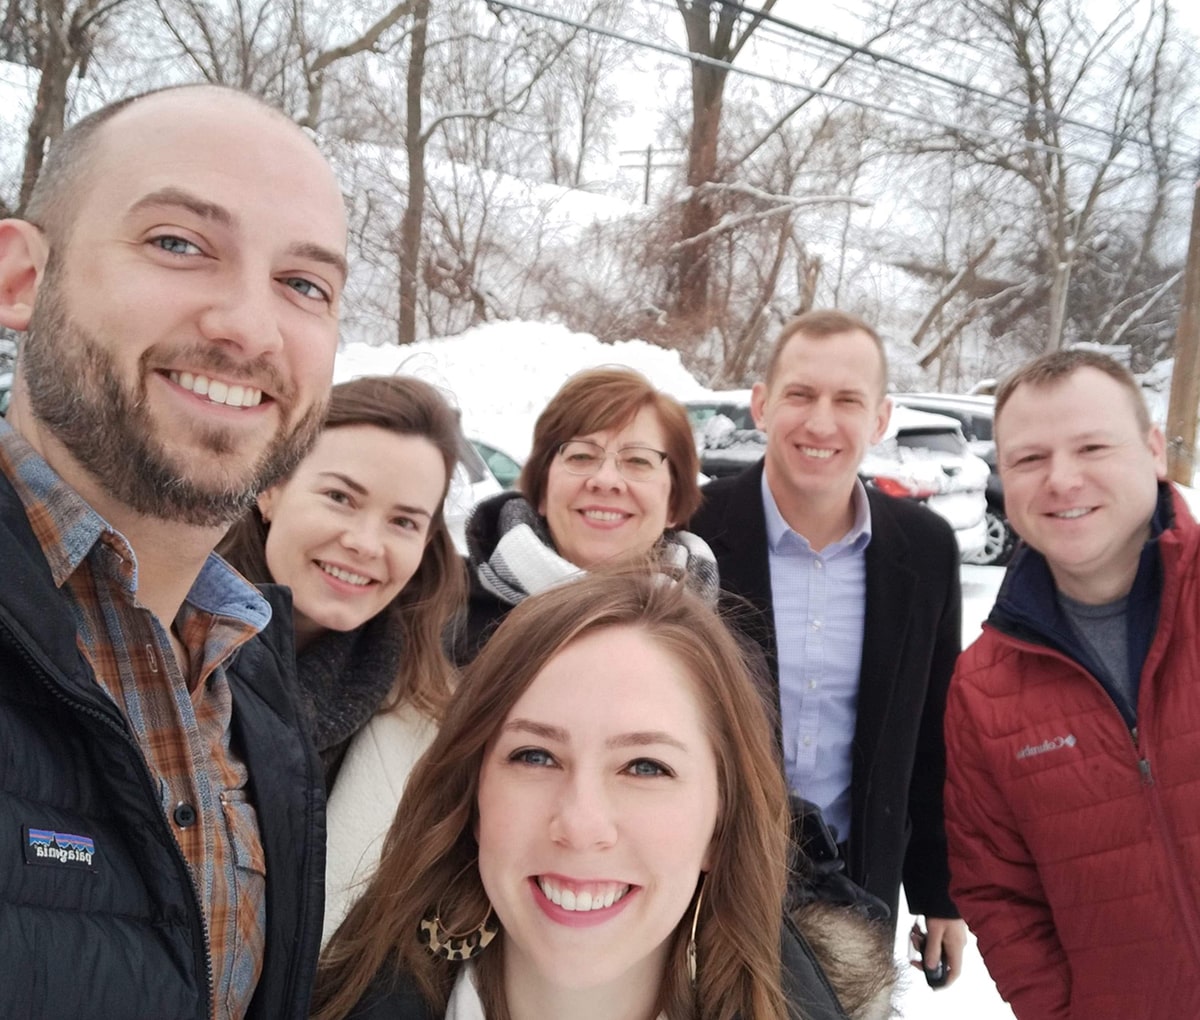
x: 1075, y: 840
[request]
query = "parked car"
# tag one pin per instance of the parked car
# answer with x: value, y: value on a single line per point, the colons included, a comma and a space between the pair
x: 473, y: 481
x: 922, y: 456
x: 975, y: 414
x: 726, y: 437
x: 505, y: 467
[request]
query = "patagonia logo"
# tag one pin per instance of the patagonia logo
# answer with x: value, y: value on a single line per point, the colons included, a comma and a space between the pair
x: 1046, y: 746
x: 44, y: 846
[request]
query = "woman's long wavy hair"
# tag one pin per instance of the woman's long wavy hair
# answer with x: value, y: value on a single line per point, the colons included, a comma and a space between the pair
x: 423, y: 609
x: 430, y: 855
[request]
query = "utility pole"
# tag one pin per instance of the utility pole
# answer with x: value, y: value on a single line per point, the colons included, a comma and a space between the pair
x: 646, y: 166
x: 1185, y: 379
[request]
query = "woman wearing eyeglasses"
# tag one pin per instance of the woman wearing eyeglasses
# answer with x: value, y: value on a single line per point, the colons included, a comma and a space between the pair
x: 611, y: 474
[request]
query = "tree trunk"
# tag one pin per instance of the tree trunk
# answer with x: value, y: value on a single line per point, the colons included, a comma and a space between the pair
x: 1060, y: 283
x: 50, y: 107
x: 414, y: 210
x: 692, y: 268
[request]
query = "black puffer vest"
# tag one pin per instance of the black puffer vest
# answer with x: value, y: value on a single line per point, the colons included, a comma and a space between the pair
x: 109, y: 925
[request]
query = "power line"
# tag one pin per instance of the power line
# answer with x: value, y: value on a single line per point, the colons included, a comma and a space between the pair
x: 955, y: 84
x: 700, y: 58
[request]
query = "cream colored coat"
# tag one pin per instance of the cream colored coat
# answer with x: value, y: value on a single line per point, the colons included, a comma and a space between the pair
x: 363, y: 803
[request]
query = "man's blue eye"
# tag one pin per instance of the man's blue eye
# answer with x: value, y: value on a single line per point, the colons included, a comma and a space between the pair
x: 306, y: 288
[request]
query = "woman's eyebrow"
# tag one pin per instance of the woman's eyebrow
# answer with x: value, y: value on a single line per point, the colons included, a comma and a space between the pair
x: 537, y: 729
x: 642, y: 738
x: 346, y: 480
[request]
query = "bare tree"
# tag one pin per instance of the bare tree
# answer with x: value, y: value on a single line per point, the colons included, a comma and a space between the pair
x: 576, y: 101
x: 56, y: 39
x: 716, y: 34
x: 279, y: 49
x: 486, y: 78
x: 1077, y: 123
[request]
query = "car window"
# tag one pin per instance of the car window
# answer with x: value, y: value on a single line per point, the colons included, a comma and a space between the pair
x: 981, y: 428
x: 938, y: 440
x: 506, y: 470
x: 471, y: 463
x: 699, y: 415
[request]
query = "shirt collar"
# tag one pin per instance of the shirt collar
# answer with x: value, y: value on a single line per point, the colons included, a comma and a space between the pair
x: 67, y: 529
x: 65, y: 526
x: 780, y: 535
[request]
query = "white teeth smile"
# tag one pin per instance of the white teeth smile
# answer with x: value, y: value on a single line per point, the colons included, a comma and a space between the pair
x: 231, y: 395
x: 812, y: 451
x: 1070, y: 515
x: 595, y: 896
x: 606, y: 516
x: 344, y: 575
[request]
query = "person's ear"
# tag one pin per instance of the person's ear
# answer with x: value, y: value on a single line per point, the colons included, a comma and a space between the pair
x: 1158, y: 449
x: 23, y: 255
x: 266, y: 503
x: 883, y: 415
x: 758, y: 405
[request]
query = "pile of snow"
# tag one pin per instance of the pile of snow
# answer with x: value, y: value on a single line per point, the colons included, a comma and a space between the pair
x: 501, y: 375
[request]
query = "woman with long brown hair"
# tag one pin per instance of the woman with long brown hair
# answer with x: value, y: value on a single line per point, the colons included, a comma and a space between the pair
x: 598, y: 831
x: 357, y: 532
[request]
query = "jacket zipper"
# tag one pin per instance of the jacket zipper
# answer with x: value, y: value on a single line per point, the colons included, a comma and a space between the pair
x: 1183, y: 895
x: 57, y: 689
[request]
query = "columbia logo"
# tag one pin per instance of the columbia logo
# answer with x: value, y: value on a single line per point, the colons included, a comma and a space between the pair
x: 1046, y: 746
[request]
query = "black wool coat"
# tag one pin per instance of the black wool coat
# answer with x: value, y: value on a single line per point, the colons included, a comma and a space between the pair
x: 912, y: 636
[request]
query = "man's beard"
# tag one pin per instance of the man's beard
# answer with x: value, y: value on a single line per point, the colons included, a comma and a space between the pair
x: 75, y: 390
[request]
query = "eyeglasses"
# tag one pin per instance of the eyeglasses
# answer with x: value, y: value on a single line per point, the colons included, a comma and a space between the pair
x: 636, y: 463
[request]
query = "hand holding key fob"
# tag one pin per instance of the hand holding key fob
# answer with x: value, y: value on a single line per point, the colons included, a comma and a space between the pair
x: 937, y: 977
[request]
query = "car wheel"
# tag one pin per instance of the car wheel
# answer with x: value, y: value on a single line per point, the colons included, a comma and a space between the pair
x: 998, y: 547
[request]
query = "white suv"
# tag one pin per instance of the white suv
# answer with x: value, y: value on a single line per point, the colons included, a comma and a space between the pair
x: 975, y: 415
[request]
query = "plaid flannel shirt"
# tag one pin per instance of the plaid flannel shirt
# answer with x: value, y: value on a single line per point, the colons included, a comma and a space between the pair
x: 181, y: 723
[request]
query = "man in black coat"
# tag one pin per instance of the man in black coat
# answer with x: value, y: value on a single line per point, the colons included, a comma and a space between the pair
x: 177, y: 278
x: 854, y: 598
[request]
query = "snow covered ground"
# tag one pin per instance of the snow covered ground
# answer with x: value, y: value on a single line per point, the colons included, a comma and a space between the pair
x: 501, y: 375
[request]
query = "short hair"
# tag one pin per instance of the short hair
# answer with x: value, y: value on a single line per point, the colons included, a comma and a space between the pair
x: 1053, y: 368
x: 423, y: 609
x: 70, y: 162
x: 606, y: 398
x: 820, y: 324
x: 430, y: 852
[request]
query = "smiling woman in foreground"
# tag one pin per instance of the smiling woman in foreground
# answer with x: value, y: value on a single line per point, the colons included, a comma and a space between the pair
x: 598, y: 831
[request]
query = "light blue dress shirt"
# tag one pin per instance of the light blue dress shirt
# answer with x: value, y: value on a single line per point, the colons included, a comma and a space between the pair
x: 820, y: 607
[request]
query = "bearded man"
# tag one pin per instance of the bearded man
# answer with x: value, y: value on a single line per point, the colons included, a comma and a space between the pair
x: 177, y: 277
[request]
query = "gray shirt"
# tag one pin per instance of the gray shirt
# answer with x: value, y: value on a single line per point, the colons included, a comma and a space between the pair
x: 1104, y: 629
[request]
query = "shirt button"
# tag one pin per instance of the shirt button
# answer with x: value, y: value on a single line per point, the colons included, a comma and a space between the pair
x: 817, y: 564
x: 816, y: 624
x: 808, y: 741
x: 184, y: 814
x: 812, y: 685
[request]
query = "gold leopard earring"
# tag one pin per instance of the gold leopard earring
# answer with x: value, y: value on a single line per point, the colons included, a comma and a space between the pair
x: 457, y: 946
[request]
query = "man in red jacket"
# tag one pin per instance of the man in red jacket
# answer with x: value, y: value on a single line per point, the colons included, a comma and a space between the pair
x: 1073, y: 723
